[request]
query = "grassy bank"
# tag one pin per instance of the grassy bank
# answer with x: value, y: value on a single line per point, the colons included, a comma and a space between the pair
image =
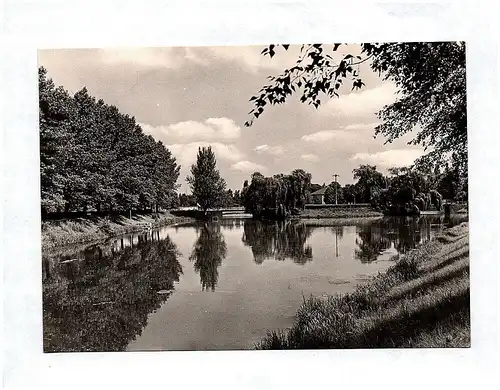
x: 346, y: 221
x: 421, y: 301
x: 87, y: 230
x: 339, y: 213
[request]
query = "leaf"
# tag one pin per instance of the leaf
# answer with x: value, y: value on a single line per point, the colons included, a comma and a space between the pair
x: 286, y: 46
x: 336, y: 46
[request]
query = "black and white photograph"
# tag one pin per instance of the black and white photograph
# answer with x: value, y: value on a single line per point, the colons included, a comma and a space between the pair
x: 273, y: 196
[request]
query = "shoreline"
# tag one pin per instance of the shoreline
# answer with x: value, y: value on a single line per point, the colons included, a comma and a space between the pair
x: 59, y: 234
x: 422, y: 301
x: 338, y: 213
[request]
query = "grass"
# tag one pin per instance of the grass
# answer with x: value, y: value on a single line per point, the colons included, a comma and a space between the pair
x: 339, y: 213
x: 421, y: 301
x: 85, y: 230
x: 346, y: 221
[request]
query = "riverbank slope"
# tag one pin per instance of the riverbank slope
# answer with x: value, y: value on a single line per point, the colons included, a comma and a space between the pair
x: 421, y: 301
x: 86, y: 230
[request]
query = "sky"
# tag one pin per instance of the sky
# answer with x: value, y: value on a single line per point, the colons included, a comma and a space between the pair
x: 189, y: 97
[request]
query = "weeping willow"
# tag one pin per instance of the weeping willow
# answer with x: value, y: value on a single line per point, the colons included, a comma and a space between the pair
x: 278, y: 196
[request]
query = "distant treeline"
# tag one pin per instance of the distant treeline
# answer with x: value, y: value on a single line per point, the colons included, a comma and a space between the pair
x: 229, y: 199
x: 92, y: 157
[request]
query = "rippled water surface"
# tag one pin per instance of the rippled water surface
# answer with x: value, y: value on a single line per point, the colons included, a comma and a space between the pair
x: 211, y: 286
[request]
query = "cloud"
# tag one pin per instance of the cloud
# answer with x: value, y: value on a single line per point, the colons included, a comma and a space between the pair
x: 327, y: 135
x: 211, y: 129
x: 362, y: 126
x: 366, y: 102
x: 309, y: 157
x: 153, y: 58
x: 186, y: 153
x: 250, y: 57
x: 353, y: 133
x: 248, y: 166
x: 390, y: 158
x: 277, y: 150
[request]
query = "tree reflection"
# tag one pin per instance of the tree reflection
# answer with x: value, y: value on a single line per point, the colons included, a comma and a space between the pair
x: 100, y: 302
x: 208, y: 252
x: 371, y: 242
x: 404, y: 233
x: 279, y: 240
x: 409, y: 234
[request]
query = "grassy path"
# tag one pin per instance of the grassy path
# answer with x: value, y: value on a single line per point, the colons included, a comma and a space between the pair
x: 421, y: 301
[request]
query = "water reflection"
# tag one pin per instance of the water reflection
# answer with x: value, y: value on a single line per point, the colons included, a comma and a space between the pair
x: 100, y: 299
x: 208, y: 252
x: 370, y: 242
x: 338, y: 231
x: 278, y: 240
x: 402, y: 234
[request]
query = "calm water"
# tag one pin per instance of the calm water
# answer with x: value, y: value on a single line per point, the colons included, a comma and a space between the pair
x: 213, y: 286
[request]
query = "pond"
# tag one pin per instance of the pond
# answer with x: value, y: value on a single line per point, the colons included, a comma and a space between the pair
x: 211, y: 286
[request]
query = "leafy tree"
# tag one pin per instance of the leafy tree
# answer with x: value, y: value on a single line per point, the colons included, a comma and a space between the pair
x: 410, y: 190
x: 330, y: 193
x: 186, y: 200
x: 94, y: 157
x: 237, y: 198
x: 206, y: 183
x: 369, y: 180
x: 228, y: 198
x: 349, y: 193
x: 451, y: 184
x: 54, y: 112
x: 431, y: 82
x: 277, y: 196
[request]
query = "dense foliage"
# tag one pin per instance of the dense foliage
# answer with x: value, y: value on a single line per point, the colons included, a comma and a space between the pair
x: 410, y: 190
x: 399, y: 191
x: 229, y: 199
x: 430, y: 78
x: 94, y: 157
x: 207, y: 186
x: 277, y: 196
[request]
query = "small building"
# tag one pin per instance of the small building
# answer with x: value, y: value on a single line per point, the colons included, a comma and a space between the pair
x: 318, y: 197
